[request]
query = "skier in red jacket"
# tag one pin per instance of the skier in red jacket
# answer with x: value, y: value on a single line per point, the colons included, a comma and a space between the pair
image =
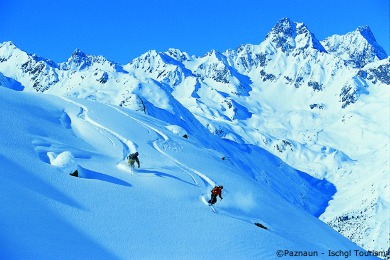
x: 217, y: 191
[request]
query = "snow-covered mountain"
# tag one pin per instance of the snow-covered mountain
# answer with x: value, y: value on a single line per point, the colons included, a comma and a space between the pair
x: 357, y: 48
x: 320, y: 106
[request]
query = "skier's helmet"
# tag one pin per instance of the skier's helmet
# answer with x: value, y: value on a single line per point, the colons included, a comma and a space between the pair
x: 136, y: 153
x: 221, y: 187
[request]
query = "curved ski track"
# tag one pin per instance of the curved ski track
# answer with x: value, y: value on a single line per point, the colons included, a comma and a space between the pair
x: 190, y: 171
x: 129, y: 146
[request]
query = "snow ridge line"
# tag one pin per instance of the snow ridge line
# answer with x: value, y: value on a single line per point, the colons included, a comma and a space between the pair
x: 127, y: 144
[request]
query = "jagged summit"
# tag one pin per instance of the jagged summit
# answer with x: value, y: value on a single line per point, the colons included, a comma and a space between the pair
x: 78, y: 53
x: 284, y: 26
x: 9, y: 49
x: 215, y: 56
x: 366, y: 32
x: 79, y: 60
x: 357, y: 48
x: 282, y: 35
x: 289, y: 35
x: 151, y: 54
x: 177, y: 54
x: 172, y: 56
x: 7, y: 44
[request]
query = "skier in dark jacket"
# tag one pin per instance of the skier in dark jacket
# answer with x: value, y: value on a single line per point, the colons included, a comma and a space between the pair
x: 217, y: 191
x: 132, y: 158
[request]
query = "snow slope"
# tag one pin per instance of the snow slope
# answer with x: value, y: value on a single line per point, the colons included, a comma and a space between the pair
x: 155, y: 211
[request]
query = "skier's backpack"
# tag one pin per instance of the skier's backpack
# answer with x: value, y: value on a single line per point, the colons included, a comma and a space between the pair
x: 132, y: 156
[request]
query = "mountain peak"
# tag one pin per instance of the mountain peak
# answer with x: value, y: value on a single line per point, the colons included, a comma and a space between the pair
x: 78, y: 53
x: 357, y: 48
x: 366, y: 32
x: 285, y: 26
x: 151, y: 54
x: 8, y: 44
x: 8, y: 47
x: 78, y: 60
x: 216, y: 55
x: 289, y: 35
x: 177, y: 54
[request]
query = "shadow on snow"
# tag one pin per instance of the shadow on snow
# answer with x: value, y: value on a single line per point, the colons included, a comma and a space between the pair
x: 89, y: 174
x: 163, y: 175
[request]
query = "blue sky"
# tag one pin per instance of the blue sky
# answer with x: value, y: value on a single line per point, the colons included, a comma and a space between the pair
x: 121, y: 30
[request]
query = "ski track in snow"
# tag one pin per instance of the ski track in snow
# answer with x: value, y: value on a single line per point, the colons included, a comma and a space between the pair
x: 208, y: 182
x: 181, y: 166
x: 127, y: 144
x: 164, y: 136
x: 130, y: 146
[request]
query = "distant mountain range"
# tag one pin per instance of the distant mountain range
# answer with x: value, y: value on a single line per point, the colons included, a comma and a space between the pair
x: 321, y: 106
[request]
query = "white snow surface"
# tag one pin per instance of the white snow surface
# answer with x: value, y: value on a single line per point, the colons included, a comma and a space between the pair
x: 158, y: 210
